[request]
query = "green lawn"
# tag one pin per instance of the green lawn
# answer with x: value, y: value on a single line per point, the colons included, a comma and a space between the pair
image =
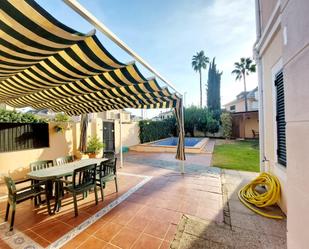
x: 238, y: 155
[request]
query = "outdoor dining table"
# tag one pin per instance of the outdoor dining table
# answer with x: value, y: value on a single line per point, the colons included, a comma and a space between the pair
x: 52, y: 174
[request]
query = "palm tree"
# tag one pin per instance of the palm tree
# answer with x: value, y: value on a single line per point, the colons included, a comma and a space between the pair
x: 243, y: 68
x: 199, y: 62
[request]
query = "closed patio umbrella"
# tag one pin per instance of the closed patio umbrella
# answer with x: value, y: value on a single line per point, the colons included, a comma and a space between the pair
x: 180, y: 155
x: 83, y: 133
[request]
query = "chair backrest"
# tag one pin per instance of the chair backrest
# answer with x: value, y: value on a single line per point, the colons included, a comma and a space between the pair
x: 109, y: 154
x: 38, y: 165
x: 10, y: 184
x: 109, y: 167
x: 85, y: 176
x: 63, y: 160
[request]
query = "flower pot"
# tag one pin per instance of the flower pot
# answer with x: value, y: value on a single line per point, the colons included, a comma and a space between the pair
x: 92, y: 155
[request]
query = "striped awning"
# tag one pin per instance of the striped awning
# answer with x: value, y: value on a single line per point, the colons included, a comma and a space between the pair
x: 45, y: 64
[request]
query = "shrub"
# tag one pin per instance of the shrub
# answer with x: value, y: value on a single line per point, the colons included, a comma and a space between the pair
x: 226, y: 120
x: 201, y: 119
x: 154, y: 130
x: 18, y: 117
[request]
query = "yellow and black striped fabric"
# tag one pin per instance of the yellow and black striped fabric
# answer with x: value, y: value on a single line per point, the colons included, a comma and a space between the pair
x: 45, y: 64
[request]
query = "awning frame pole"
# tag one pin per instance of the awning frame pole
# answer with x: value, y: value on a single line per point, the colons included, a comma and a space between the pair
x: 120, y: 133
x: 77, y: 7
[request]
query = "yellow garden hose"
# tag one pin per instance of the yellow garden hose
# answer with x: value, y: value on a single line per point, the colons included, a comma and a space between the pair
x: 250, y: 197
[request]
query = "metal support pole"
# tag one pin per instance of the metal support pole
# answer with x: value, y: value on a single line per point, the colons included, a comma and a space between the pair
x: 121, y: 153
x: 77, y: 7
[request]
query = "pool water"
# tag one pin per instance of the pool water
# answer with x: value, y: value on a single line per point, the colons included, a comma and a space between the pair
x: 172, y: 141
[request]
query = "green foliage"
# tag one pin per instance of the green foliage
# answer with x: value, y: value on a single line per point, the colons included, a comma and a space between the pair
x: 213, y: 90
x: 199, y: 62
x: 195, y: 118
x: 62, y: 122
x: 243, y: 68
x: 200, y: 119
x: 226, y: 120
x: 61, y: 117
x: 18, y: 117
x: 94, y: 145
x: 154, y: 130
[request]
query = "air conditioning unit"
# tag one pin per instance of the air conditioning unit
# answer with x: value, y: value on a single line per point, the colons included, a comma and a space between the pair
x: 126, y: 117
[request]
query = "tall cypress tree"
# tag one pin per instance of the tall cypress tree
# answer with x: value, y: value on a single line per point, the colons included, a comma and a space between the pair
x: 213, y: 90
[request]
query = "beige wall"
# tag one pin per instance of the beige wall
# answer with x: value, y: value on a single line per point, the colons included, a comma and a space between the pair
x: 240, y: 105
x: 290, y: 48
x: 267, y: 7
x: 270, y: 60
x: 17, y: 163
x: 295, y: 19
x: 130, y: 132
x: 251, y: 123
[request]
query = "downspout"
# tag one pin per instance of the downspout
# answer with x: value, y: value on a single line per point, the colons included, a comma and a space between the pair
x: 259, y: 63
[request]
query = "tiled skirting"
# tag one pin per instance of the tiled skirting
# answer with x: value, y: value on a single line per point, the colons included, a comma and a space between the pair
x: 18, y: 240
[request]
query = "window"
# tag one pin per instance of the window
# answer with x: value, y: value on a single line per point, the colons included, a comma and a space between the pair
x: 280, y: 118
x: 232, y: 108
x: 23, y: 136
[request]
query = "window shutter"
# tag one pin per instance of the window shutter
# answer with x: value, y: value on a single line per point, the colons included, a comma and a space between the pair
x: 280, y: 118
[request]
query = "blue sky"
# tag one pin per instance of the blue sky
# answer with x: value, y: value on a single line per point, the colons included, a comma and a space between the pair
x: 166, y: 33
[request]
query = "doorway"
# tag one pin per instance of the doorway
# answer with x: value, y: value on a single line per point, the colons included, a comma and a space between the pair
x: 109, y: 136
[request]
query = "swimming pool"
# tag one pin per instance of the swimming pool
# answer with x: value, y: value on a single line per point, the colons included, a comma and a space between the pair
x: 173, y: 141
x: 192, y: 145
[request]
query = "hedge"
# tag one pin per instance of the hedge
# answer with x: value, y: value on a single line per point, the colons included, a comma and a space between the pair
x: 18, y: 117
x: 154, y: 130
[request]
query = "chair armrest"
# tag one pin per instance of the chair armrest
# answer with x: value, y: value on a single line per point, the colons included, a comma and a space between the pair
x: 30, y: 186
x: 22, y: 181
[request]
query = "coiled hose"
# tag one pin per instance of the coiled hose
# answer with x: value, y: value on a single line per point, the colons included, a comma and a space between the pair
x: 249, y: 194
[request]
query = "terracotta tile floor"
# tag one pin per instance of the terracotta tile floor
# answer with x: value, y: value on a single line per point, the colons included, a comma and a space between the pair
x: 148, y: 218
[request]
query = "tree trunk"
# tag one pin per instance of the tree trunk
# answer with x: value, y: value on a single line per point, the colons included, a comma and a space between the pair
x: 245, y: 90
x: 201, y: 90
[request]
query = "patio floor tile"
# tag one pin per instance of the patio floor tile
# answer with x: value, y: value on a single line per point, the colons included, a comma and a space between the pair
x: 165, y: 245
x: 110, y: 246
x: 108, y: 231
x: 171, y: 232
x: 138, y: 223
x: 96, y: 226
x: 56, y: 232
x: 41, y: 241
x: 77, y: 241
x: 157, y: 228
x: 146, y: 241
x: 93, y: 243
x: 125, y: 238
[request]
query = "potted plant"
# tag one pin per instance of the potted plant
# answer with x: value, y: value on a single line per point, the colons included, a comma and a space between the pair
x: 62, y: 122
x: 94, y: 146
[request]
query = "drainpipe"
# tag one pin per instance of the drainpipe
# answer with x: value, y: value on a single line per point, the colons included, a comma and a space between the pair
x: 259, y: 64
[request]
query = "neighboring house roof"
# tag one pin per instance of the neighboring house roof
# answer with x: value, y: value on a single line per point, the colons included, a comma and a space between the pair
x: 241, y: 96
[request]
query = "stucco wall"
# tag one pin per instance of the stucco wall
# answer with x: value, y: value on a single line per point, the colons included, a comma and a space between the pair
x: 251, y: 123
x: 240, y: 105
x: 17, y: 163
x: 130, y: 132
x: 267, y: 7
x: 295, y: 19
x: 270, y: 60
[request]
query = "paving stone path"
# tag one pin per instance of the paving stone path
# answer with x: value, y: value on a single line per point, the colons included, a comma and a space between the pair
x: 242, y: 228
